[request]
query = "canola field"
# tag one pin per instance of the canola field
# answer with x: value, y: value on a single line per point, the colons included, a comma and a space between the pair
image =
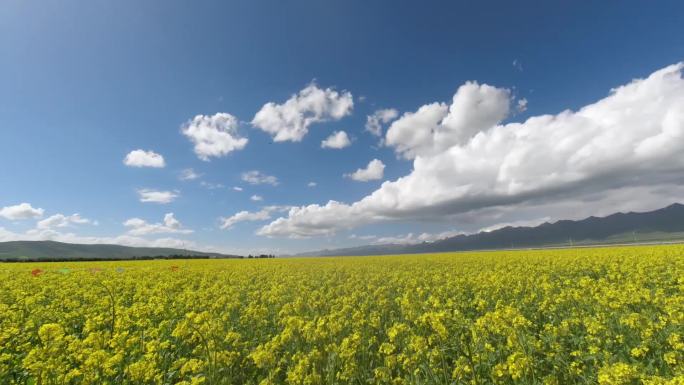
x: 579, y: 316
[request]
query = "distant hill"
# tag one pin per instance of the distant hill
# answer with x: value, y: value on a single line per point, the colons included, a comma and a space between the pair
x: 44, y: 250
x: 665, y: 224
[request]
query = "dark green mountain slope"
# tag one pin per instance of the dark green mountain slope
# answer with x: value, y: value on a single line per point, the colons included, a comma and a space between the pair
x: 59, y: 250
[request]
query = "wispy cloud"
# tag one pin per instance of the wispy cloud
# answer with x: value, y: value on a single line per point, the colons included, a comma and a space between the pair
x: 257, y: 177
x: 155, y: 196
x: 189, y: 174
x: 170, y: 224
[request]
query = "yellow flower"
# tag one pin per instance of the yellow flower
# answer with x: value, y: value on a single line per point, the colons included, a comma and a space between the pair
x: 617, y: 374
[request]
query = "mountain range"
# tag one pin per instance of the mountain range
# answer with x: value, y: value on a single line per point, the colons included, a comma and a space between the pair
x: 666, y: 224
x: 51, y: 250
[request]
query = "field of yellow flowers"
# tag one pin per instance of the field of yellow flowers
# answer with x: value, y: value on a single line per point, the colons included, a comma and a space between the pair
x: 579, y: 316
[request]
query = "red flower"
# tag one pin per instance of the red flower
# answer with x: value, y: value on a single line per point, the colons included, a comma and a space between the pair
x: 36, y: 272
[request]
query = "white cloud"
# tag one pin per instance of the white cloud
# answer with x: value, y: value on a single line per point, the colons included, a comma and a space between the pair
x: 412, y: 239
x: 214, y: 136
x: 189, y: 174
x: 522, y: 105
x: 363, y: 237
x: 290, y: 121
x: 375, y: 121
x: 628, y: 144
x: 50, y: 229
x: 257, y: 177
x: 436, y: 127
x: 279, y: 208
x: 312, y: 184
x: 211, y: 186
x: 125, y: 240
x: 142, y: 158
x: 312, y: 220
x: 337, y: 140
x: 407, y: 239
x: 517, y: 64
x: 236, y: 188
x: 61, y: 220
x: 245, y: 216
x: 256, y: 198
x: 373, y: 171
x: 170, y: 224
x: 520, y: 223
x: 21, y: 211
x: 154, y: 196
x: 432, y: 237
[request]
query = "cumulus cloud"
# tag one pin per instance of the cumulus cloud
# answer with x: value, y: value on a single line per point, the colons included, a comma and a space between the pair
x: 628, y: 145
x: 237, y: 188
x: 245, y: 216
x: 337, y: 140
x: 290, y: 121
x: 214, y: 135
x: 375, y: 122
x: 21, y: 211
x: 312, y: 220
x: 142, y: 158
x: 170, y: 224
x: 257, y: 177
x: 256, y: 198
x: 373, y: 171
x: 153, y: 196
x: 436, y: 127
x: 189, y: 174
x: 61, y: 220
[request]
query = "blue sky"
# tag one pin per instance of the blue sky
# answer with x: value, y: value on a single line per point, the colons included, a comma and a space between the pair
x: 84, y: 83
